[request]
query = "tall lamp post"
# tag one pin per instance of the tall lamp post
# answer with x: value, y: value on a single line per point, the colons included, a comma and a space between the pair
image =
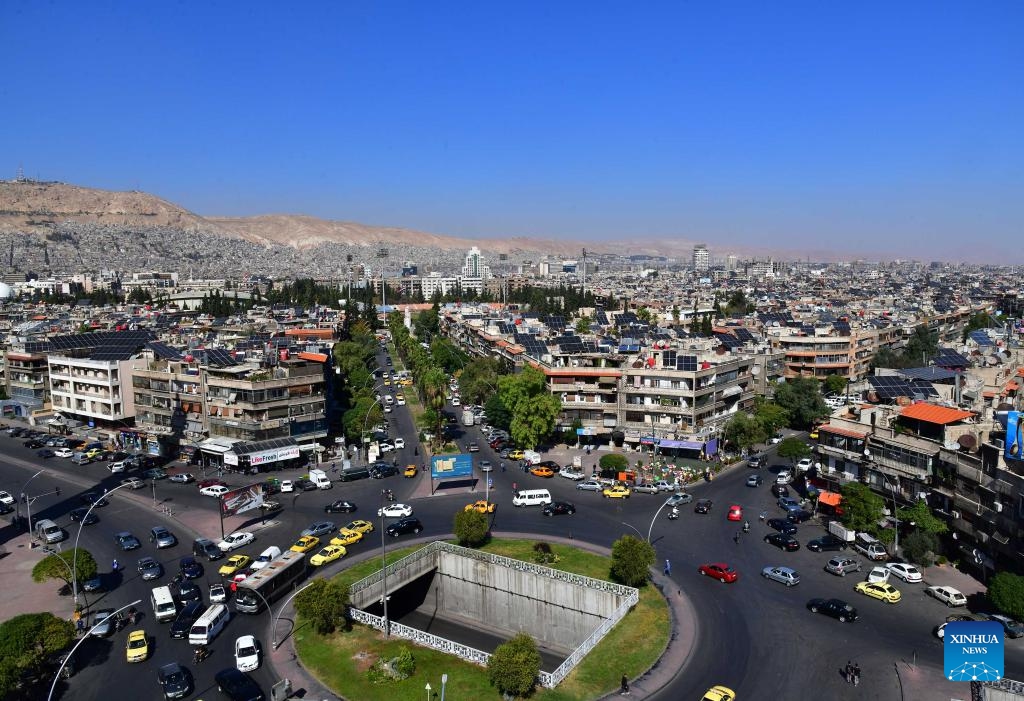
x: 363, y: 430
x: 277, y: 619
x: 651, y: 529
x: 84, y: 638
x: 892, y: 487
x: 74, y: 557
x: 444, y: 680
x: 382, y: 253
x: 23, y: 497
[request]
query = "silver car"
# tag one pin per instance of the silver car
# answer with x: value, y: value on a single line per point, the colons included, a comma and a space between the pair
x: 162, y: 537
x: 590, y: 486
x: 679, y: 498
x: 320, y: 528
x: 842, y: 565
x: 784, y: 575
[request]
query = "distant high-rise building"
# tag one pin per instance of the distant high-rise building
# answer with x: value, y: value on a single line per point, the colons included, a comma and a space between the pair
x: 730, y: 263
x: 701, y: 258
x: 474, y: 266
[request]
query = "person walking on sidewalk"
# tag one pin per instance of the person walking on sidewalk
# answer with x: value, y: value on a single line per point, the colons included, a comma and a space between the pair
x: 668, y: 568
x: 856, y: 674
x: 624, y: 686
x: 848, y: 672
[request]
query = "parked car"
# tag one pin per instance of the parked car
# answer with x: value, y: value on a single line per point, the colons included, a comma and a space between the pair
x: 782, y: 526
x: 216, y: 491
x: 590, y: 486
x: 104, y: 623
x: 827, y: 542
x: 784, y: 575
x: 559, y: 508
x: 878, y: 574
x: 1012, y: 628
x: 406, y: 525
x: 940, y: 630
x: 842, y: 566
x: 906, y: 572
x: 788, y: 504
x: 836, y: 608
x: 947, y: 595
x: 782, y: 541
x: 799, y: 516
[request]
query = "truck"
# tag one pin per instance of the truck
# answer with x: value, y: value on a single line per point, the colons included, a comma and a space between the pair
x: 320, y: 479
x: 468, y: 417
x: 839, y: 531
x: 870, y: 547
x: 531, y: 457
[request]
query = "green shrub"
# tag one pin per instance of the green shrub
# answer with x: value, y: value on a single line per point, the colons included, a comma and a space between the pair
x: 614, y: 461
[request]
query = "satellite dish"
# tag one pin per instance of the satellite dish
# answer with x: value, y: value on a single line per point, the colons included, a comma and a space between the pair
x: 867, y: 453
x: 755, y: 370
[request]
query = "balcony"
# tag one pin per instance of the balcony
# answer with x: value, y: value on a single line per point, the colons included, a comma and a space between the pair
x: 917, y: 473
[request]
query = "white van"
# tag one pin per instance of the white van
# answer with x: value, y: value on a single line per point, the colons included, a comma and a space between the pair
x: 266, y: 557
x: 164, y: 608
x: 209, y: 625
x: 531, y: 457
x: 49, y: 532
x: 531, y: 497
x: 320, y: 479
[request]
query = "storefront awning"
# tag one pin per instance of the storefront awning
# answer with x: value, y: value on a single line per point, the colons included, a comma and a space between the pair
x: 263, y: 452
x: 830, y: 498
x: 214, y: 446
x: 687, y: 445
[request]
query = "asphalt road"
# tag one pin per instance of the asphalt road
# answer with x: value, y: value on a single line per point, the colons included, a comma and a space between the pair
x: 755, y: 636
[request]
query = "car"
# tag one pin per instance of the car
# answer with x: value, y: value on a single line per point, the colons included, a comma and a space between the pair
x: 399, y: 442
x: 175, y: 680
x: 559, y: 508
x: 541, y: 471
x: 474, y: 448
x: 83, y: 514
x: 409, y: 524
x: 126, y: 541
x: 247, y: 654
x: 784, y: 477
x: 117, y: 467
x: 237, y: 685
x: 827, y: 542
x: 755, y: 461
x: 329, y: 553
x: 799, y: 516
x: 516, y: 454
x: 382, y: 470
x: 133, y: 483
x: 103, y: 623
x: 878, y: 574
x: 150, y: 569
x: 359, y: 525
x: 186, y: 617
x: 788, y: 504
x: 785, y: 575
x: 647, y: 488
x: 719, y: 693
x: 780, y: 490
x: 481, y: 506
x: 305, y: 543
x: 90, y: 498
x: 187, y: 591
x: 777, y: 438
x: 1012, y: 628
x: 137, y: 646
x: 782, y: 541
x: 754, y: 481
x: 906, y: 572
x: 182, y: 478
x: 590, y: 486
x: 883, y: 591
x: 804, y: 465
x: 162, y: 537
x: 287, y: 486
x: 155, y: 473
x: 33, y: 443
x: 616, y: 491
x: 735, y: 513
x: 947, y: 595
x: 236, y: 540
x: 412, y: 470
x: 940, y: 630
x: 385, y: 447
x: 346, y: 537
x: 93, y: 453
x: 679, y: 498
x: 703, y: 506
x: 782, y: 526
x: 341, y: 506
x: 720, y: 571
x: 218, y: 595
x: 320, y: 528
x: 836, y: 608
x: 234, y: 564
x: 63, y: 452
x: 842, y: 566
x: 572, y: 473
x: 395, y: 510
x: 45, y: 453
x: 216, y: 490
x: 211, y: 482
x: 190, y: 568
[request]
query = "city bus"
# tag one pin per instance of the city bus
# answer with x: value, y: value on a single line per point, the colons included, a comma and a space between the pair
x: 275, y: 580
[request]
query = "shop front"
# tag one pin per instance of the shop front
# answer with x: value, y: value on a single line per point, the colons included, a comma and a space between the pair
x: 263, y: 456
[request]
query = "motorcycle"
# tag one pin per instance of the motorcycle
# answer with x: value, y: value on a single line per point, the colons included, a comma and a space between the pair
x: 201, y: 653
x: 673, y: 514
x: 746, y: 526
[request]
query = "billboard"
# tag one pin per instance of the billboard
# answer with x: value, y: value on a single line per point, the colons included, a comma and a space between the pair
x: 448, y: 466
x: 1013, y: 446
x: 240, y: 500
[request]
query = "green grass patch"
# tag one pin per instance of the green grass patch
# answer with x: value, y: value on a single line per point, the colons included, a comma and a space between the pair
x: 340, y: 660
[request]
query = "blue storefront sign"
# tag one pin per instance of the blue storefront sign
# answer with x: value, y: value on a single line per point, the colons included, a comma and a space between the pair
x: 448, y: 466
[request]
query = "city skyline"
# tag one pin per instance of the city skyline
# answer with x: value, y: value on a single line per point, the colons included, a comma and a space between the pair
x: 874, y: 132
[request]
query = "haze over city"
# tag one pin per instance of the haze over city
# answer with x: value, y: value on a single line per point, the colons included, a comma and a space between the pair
x: 875, y: 130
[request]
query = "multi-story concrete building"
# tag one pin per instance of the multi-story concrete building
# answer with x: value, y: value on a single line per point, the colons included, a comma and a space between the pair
x: 701, y: 259
x: 91, y: 390
x: 826, y: 352
x: 27, y: 377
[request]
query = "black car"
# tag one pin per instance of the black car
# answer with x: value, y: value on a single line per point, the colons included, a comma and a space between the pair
x: 558, y: 508
x: 150, y: 569
x: 779, y: 490
x: 799, y: 516
x: 703, y: 506
x: 782, y: 526
x: 79, y: 514
x: 182, y: 623
x: 382, y: 470
x: 33, y: 443
x: 409, y: 524
x: 782, y: 541
x: 190, y: 568
x: 305, y: 485
x: 826, y: 542
x: 45, y: 453
x: 187, y: 592
x: 90, y: 498
x: 339, y: 507
x: 175, y: 680
x: 237, y: 686
x: 837, y: 608
x: 6, y: 508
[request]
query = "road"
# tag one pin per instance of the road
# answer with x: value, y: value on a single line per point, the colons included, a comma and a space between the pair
x: 755, y: 636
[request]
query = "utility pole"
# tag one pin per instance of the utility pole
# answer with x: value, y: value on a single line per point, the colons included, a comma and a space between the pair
x: 382, y: 254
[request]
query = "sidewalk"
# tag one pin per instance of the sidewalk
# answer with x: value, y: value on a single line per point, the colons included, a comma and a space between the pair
x: 21, y: 594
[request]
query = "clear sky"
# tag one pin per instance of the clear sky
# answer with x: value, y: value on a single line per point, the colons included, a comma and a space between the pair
x: 874, y: 128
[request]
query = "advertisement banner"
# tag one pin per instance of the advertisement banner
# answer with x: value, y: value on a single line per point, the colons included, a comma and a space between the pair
x: 243, y: 499
x: 448, y: 466
x: 1014, y: 443
x: 973, y: 651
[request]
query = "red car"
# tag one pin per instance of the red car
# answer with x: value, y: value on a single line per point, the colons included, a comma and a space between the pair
x: 720, y: 571
x: 210, y: 483
x: 735, y: 513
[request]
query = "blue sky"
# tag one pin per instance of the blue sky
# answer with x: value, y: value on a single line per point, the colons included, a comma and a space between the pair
x: 872, y: 128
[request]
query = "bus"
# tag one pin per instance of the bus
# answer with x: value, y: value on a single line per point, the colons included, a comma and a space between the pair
x: 274, y: 580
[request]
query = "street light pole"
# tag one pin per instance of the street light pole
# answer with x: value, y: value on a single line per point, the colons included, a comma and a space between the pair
x: 895, y: 515
x: 651, y: 529
x: 363, y: 429
x: 84, y: 638
x: 444, y: 680
x: 277, y: 619
x: 74, y: 556
x: 23, y: 497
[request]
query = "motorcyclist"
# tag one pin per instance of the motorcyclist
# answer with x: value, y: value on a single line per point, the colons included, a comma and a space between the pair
x: 115, y: 565
x: 132, y: 613
x: 746, y: 526
x: 201, y: 652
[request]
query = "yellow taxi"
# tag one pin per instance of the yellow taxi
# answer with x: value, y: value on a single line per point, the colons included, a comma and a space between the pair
x: 542, y: 471
x: 617, y: 492
x: 516, y: 454
x: 399, y: 396
x: 93, y: 452
x: 483, y: 507
x: 883, y: 591
x: 407, y: 382
x: 410, y: 471
x: 359, y: 525
x: 234, y: 564
x: 329, y: 554
x: 137, y: 647
x: 346, y: 537
x: 387, y: 383
x: 305, y: 543
x: 719, y: 693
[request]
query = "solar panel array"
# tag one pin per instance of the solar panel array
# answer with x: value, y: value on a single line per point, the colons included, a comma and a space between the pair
x: 531, y: 344
x: 743, y: 334
x: 687, y: 363
x: 163, y: 351
x: 119, y: 345
x: 843, y: 327
x: 626, y: 318
x: 807, y: 329
x: 889, y: 387
x: 782, y: 319
x: 506, y: 328
x: 600, y: 317
x: 949, y: 358
x: 218, y: 357
x: 981, y: 338
x: 556, y: 323
x: 728, y: 340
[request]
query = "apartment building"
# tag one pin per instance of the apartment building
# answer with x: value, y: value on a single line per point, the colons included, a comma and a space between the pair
x: 92, y: 390
x: 27, y: 379
x: 826, y: 352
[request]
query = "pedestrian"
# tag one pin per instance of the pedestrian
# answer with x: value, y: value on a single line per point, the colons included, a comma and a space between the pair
x: 624, y: 685
x: 668, y: 568
x: 80, y: 625
x: 848, y: 672
x: 115, y: 565
x: 502, y: 467
x: 515, y: 486
x: 856, y: 674
x: 736, y: 538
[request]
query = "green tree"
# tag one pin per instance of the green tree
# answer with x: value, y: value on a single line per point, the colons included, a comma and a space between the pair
x: 514, y: 666
x: 771, y: 416
x: 631, y: 561
x: 862, y: 508
x: 921, y: 516
x: 479, y: 380
x: 614, y: 461
x: 59, y: 566
x: 498, y: 414
x: 802, y: 400
x: 471, y: 528
x: 26, y: 644
x: 835, y: 384
x: 794, y: 449
x: 533, y: 408
x: 920, y: 547
x: 1006, y: 592
x: 324, y: 603
x: 743, y: 431
x: 583, y: 325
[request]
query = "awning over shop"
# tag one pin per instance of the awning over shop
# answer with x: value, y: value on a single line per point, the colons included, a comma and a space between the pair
x: 214, y: 446
x: 687, y: 445
x: 830, y: 498
x: 263, y: 452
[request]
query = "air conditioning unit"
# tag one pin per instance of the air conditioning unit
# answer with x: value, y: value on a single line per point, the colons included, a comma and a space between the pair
x: 954, y: 513
x: 998, y: 506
